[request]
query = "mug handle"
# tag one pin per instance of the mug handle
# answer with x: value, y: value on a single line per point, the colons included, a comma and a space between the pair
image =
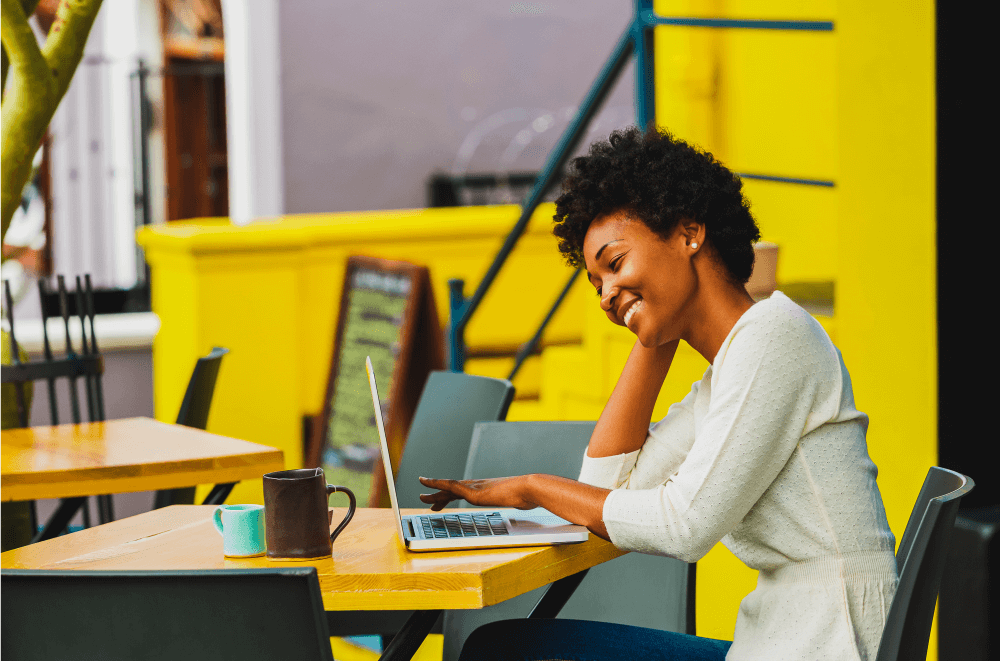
x: 217, y: 519
x: 330, y: 490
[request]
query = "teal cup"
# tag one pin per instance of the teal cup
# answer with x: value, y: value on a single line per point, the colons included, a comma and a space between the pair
x: 242, y: 529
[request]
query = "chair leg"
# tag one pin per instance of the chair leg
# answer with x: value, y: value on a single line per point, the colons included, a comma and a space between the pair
x: 218, y: 494
x: 556, y: 596
x: 60, y: 519
x: 690, y: 605
x: 167, y: 497
x: 86, y: 513
x: 405, y: 643
x: 105, y: 509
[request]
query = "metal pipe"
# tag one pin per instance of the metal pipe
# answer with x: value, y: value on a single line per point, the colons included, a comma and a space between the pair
x: 88, y: 380
x: 53, y: 405
x: 528, y: 347
x: 64, y: 311
x: 649, y: 17
x: 557, y: 158
x: 645, y: 100
x: 99, y: 377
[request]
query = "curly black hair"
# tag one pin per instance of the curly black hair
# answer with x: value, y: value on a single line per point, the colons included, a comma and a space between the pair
x: 659, y: 180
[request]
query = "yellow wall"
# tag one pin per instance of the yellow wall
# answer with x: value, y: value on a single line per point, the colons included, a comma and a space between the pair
x: 855, y: 106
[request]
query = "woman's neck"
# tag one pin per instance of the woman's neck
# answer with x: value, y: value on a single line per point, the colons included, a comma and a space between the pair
x: 718, y: 306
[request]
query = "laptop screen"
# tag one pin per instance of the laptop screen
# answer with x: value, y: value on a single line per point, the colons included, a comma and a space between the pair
x: 385, y: 449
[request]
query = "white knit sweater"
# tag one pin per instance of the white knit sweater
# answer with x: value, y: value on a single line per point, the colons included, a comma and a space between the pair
x: 768, y: 455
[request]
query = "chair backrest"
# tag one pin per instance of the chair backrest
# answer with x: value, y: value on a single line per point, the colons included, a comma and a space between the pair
x: 195, y: 407
x: 197, y: 400
x: 500, y: 449
x: 920, y: 560
x: 636, y: 589
x: 438, y: 441
x: 83, y: 360
x: 190, y: 615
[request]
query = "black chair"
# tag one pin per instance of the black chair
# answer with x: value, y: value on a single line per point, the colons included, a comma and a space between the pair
x: 88, y: 365
x: 274, y: 613
x: 920, y: 560
x: 194, y: 411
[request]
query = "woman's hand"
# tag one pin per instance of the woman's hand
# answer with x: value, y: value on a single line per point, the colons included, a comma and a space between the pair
x: 574, y: 501
x: 496, y: 492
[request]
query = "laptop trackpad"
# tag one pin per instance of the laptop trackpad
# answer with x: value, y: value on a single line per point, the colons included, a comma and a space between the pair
x: 537, y: 520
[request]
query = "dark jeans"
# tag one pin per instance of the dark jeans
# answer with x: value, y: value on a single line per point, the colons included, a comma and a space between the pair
x: 580, y: 640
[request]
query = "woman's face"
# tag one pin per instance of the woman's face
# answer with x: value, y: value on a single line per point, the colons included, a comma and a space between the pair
x: 646, y: 282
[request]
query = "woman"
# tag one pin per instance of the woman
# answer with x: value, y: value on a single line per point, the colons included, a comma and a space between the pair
x: 766, y: 454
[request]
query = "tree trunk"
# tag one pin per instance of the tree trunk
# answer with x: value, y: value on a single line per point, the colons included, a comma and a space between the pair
x: 39, y: 78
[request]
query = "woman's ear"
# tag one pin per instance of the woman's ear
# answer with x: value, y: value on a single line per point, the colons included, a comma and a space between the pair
x: 693, y: 233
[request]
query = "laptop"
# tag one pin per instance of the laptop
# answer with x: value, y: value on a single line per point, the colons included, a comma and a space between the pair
x: 471, y: 528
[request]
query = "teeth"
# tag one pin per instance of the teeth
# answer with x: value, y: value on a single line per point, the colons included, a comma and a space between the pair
x: 631, y: 311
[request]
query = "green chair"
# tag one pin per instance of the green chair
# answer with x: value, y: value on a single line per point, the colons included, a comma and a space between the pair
x: 438, y: 441
x: 436, y: 446
x: 274, y: 613
x: 636, y: 589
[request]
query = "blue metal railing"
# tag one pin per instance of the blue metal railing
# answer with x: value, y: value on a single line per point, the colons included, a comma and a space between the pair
x: 637, y: 39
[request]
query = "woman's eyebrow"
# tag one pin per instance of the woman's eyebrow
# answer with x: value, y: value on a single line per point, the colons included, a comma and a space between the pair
x: 598, y: 255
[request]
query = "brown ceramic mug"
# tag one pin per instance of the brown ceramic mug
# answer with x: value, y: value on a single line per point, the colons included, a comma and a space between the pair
x: 296, y: 514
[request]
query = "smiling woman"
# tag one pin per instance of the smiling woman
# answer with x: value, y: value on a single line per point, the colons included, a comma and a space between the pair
x: 766, y: 454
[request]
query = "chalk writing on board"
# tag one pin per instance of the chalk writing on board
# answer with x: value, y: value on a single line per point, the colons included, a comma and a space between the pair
x: 373, y: 324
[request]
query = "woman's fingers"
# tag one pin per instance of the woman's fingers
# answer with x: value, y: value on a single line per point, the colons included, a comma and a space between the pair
x: 439, y: 497
x: 447, y: 492
x: 443, y: 485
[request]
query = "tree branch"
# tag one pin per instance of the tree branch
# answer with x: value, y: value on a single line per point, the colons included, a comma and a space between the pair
x: 40, y: 79
x: 29, y: 9
x: 19, y: 40
x: 3, y: 80
x: 67, y: 38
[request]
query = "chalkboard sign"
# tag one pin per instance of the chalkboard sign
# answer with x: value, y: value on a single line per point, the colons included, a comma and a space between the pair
x: 387, y: 311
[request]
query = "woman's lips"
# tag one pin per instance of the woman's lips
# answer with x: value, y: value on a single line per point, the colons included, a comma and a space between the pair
x: 631, y: 311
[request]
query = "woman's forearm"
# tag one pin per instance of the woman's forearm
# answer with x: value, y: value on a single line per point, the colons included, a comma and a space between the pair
x: 574, y: 501
x: 624, y: 423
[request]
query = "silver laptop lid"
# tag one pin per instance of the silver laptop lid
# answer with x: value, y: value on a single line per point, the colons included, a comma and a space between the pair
x: 385, y: 450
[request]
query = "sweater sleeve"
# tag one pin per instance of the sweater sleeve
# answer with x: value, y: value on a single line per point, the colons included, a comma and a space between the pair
x: 665, y: 448
x: 762, y: 395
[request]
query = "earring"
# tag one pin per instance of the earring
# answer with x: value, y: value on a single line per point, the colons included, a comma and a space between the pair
x: 694, y: 246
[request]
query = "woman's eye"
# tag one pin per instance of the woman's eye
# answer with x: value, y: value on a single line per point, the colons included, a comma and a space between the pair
x: 598, y: 292
x: 615, y: 262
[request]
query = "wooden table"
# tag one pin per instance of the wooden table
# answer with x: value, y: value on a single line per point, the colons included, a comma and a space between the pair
x: 370, y: 570
x: 134, y: 454
x: 118, y: 456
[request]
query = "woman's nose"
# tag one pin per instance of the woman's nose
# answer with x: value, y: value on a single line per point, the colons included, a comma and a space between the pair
x: 608, y: 298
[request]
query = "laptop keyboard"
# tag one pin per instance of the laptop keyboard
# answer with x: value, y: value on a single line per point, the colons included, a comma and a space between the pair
x: 462, y: 525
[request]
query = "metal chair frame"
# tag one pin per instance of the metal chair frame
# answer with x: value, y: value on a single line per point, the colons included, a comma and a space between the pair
x: 921, y: 559
x: 194, y: 413
x: 89, y: 366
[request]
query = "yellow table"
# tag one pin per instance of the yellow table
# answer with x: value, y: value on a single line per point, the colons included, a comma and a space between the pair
x: 72, y: 462
x: 118, y: 456
x: 370, y: 570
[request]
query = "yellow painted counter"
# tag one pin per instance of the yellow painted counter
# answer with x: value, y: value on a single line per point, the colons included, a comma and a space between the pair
x: 269, y: 292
